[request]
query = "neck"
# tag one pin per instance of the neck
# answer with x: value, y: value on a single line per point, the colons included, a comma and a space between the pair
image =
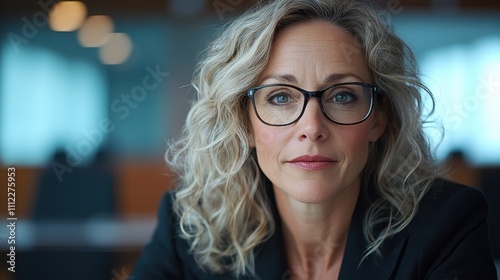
x: 316, y: 234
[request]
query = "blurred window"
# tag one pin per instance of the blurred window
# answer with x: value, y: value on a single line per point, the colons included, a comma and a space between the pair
x: 465, y: 79
x: 48, y: 101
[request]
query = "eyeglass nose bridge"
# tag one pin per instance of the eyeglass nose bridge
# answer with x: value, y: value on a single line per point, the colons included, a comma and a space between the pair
x: 309, y: 94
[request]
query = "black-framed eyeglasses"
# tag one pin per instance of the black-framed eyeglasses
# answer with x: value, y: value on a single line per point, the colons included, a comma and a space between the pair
x: 282, y: 104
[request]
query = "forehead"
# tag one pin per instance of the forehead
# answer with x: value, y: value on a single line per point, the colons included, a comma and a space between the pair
x: 319, y: 48
x: 316, y: 31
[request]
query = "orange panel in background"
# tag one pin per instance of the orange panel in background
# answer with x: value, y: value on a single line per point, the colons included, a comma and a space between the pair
x: 26, y: 178
x: 140, y: 187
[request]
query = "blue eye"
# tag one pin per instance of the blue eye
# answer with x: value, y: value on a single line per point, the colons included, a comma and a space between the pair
x: 344, y: 97
x: 280, y: 99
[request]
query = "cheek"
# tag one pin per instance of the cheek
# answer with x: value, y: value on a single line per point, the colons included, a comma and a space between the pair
x: 269, y: 142
x: 359, y: 136
x: 262, y: 135
x: 268, y: 145
x: 268, y: 148
x: 355, y: 142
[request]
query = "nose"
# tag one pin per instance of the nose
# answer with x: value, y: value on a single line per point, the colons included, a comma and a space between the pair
x: 313, y: 123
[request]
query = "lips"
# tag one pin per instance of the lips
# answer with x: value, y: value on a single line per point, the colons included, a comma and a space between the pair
x: 312, y: 162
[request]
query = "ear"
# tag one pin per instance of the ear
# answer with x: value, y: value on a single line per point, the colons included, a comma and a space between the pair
x: 379, y: 122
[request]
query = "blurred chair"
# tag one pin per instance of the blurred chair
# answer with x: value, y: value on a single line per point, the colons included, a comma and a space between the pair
x: 83, y: 194
x: 460, y: 170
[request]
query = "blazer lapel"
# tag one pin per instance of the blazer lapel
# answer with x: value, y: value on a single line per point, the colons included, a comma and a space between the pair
x: 270, y: 262
x: 375, y: 266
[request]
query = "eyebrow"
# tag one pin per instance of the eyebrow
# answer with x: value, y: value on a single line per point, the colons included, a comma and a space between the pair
x: 288, y: 78
x: 282, y: 78
x: 337, y: 77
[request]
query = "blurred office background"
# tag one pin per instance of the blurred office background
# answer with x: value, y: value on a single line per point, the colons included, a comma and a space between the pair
x: 91, y: 91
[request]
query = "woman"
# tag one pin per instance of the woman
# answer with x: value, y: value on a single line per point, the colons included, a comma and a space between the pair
x: 304, y: 158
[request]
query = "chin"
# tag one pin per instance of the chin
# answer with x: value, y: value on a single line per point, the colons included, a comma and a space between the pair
x: 313, y: 194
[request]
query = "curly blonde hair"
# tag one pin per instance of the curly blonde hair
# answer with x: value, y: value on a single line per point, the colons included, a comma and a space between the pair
x: 223, y: 210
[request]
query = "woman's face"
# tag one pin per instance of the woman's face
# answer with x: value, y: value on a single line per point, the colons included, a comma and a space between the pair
x: 314, y: 160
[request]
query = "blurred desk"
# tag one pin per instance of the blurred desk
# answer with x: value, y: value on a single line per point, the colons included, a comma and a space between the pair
x: 95, y: 234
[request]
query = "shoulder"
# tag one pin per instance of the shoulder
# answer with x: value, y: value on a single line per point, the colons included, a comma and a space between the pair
x: 450, y: 202
x: 166, y: 218
x: 166, y: 206
x: 445, y: 189
x: 448, y: 208
x: 448, y: 237
x: 168, y: 255
x: 160, y: 258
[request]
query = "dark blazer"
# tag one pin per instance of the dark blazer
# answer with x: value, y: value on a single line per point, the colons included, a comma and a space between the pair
x: 447, y: 240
